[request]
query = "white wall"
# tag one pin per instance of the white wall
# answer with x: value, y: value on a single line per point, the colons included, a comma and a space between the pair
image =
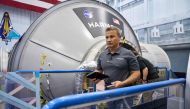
x: 135, y: 15
x: 154, y: 10
x: 166, y: 8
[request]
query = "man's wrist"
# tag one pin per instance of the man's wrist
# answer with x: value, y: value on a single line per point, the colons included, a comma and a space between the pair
x: 123, y: 83
x: 144, y: 80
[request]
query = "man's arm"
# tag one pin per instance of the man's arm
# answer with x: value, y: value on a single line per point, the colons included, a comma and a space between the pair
x: 135, y: 75
x: 145, y: 73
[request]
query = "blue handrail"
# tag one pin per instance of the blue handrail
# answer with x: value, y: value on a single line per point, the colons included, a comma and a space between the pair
x: 54, y: 71
x: 72, y: 100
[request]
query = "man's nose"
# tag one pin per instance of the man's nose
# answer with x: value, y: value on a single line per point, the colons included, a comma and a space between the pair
x: 109, y: 39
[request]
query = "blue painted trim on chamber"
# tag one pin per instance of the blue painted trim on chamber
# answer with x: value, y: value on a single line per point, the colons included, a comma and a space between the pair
x: 54, y: 71
x: 78, y: 99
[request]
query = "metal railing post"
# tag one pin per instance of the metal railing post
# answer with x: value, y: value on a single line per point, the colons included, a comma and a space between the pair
x: 167, y: 74
x: 187, y: 86
x: 37, y: 75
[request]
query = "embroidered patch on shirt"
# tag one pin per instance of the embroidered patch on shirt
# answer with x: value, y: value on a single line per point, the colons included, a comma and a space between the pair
x: 120, y: 58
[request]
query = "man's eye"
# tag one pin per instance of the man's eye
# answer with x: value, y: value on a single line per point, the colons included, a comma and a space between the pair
x: 111, y: 36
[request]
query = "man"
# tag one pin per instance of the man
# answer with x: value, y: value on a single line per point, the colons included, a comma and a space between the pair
x: 148, y: 73
x: 143, y: 67
x: 147, y: 69
x: 117, y: 62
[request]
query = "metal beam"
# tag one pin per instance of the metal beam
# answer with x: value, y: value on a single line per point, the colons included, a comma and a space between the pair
x: 176, y: 46
x: 14, y: 77
x: 187, y: 87
x: 20, y: 87
x: 32, y: 101
x: 15, y: 101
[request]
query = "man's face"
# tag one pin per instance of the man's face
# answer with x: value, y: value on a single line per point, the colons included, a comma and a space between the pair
x: 112, y: 39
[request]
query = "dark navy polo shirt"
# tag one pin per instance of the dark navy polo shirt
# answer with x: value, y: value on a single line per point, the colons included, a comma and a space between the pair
x: 117, y: 65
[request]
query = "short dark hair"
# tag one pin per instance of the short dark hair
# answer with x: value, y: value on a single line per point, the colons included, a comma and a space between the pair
x: 111, y: 28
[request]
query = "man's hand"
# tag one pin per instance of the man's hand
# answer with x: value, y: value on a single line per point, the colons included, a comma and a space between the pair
x: 142, y: 81
x: 117, y: 84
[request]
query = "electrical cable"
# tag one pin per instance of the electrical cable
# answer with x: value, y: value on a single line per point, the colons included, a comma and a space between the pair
x: 45, y: 94
x: 48, y: 83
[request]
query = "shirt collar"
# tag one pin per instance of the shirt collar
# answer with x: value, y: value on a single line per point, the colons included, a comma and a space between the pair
x: 118, y: 51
